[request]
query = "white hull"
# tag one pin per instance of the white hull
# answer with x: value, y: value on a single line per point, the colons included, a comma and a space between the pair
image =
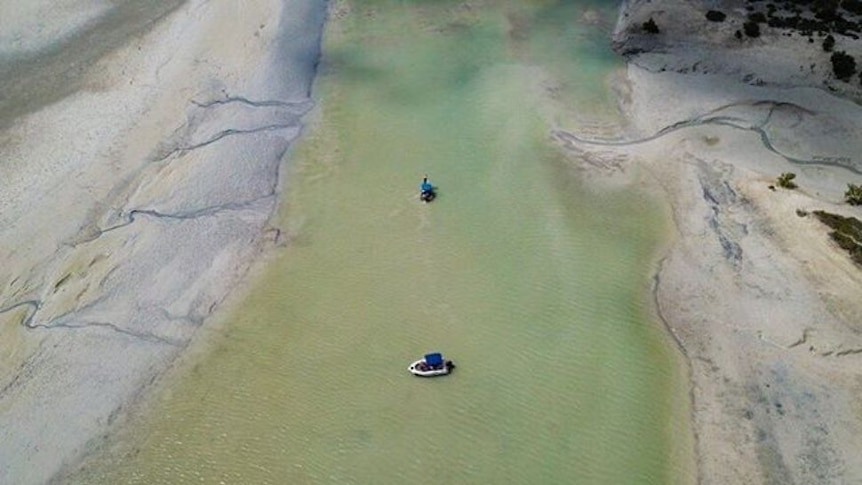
x: 416, y: 369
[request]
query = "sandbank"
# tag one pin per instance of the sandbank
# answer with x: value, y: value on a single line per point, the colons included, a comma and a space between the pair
x: 140, y: 153
x: 761, y: 301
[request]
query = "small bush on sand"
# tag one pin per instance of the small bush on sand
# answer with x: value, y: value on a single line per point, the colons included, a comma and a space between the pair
x: 853, y: 196
x: 650, y: 26
x: 828, y: 43
x: 843, y: 65
x: 757, y: 17
x: 847, y: 232
x: 715, y: 16
x: 752, y: 29
x: 785, y: 180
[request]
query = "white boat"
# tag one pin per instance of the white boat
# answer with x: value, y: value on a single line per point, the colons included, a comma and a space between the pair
x: 432, y: 365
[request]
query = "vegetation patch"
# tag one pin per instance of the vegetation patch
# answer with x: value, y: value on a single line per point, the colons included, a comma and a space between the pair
x: 853, y: 195
x: 843, y: 65
x: 752, y: 29
x: 810, y: 16
x: 785, y: 180
x: 846, y: 231
x: 715, y: 16
x: 828, y: 43
x: 823, y: 19
x: 650, y: 26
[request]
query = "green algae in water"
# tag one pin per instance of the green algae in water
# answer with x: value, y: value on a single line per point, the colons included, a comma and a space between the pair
x: 536, y: 285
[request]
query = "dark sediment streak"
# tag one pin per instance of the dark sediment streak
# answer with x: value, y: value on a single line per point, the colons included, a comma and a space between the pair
x: 729, y: 121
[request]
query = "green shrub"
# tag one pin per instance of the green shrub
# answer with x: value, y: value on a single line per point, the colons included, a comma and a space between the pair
x: 828, y: 43
x: 847, y: 232
x: 843, y: 65
x: 751, y: 29
x: 853, y: 196
x: 650, y: 26
x: 715, y: 16
x: 786, y: 180
x: 757, y: 17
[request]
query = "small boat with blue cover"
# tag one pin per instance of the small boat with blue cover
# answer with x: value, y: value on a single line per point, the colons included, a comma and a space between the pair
x: 432, y: 365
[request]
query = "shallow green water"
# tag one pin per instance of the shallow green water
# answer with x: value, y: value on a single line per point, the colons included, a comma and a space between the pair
x: 537, y: 286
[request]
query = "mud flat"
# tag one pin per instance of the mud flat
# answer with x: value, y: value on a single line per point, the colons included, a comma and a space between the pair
x: 140, y: 152
x: 762, y: 301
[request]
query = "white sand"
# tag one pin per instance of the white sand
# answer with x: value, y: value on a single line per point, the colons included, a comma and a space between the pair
x: 763, y: 304
x: 133, y: 203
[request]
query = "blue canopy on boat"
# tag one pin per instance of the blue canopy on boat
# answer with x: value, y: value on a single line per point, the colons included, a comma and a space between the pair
x: 434, y: 359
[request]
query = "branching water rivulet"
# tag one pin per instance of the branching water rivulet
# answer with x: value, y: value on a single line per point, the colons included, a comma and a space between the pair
x: 301, y: 107
x: 714, y: 118
x: 290, y: 114
x: 204, y: 128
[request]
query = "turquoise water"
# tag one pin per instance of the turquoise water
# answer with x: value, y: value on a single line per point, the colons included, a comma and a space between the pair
x: 535, y: 284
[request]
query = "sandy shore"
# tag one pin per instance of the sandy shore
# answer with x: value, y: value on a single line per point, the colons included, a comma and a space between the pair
x: 140, y: 150
x: 763, y: 304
